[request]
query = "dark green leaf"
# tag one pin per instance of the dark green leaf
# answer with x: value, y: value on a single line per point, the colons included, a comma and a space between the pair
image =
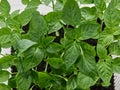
x: 71, y: 13
x: 38, y: 27
x: 55, y: 62
x: 23, y: 81
x: 12, y: 82
x: 54, y: 48
x: 4, y: 75
x: 4, y: 87
x: 71, y: 54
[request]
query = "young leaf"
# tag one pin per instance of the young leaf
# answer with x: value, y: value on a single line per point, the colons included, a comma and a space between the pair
x: 70, y: 55
x: 23, y: 44
x: 4, y: 7
x: 84, y: 81
x: 4, y: 75
x: 4, y: 87
x: 71, y: 13
x: 105, y: 71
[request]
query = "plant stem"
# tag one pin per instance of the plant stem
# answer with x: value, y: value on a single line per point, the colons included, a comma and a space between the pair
x: 46, y: 67
x: 53, y: 4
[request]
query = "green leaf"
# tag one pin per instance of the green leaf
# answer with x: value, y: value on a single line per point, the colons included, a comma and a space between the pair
x: 33, y: 4
x: 6, y: 61
x: 111, y: 17
x: 114, y: 48
x: 32, y: 57
x: 88, y: 30
x: 72, y: 83
x: 89, y: 13
x: 116, y: 65
x: 100, y: 5
x: 71, y: 54
x: 53, y: 19
x: 101, y: 51
x: 71, y: 13
x: 4, y: 87
x: 25, y: 1
x: 55, y: 62
x: 43, y: 79
x: 105, y: 71
x: 12, y: 82
x: 23, y: 81
x: 5, y: 40
x: 47, y: 2
x: 36, y: 31
x: 25, y: 17
x: 54, y: 48
x: 4, y: 75
x: 4, y: 7
x: 84, y: 81
x: 106, y: 38
x: 86, y: 61
x: 24, y: 44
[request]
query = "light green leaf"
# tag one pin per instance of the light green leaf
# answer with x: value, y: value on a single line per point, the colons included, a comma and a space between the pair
x: 25, y: 17
x: 53, y: 19
x: 23, y: 44
x: 4, y: 87
x: 4, y: 75
x: 6, y: 61
x: 4, y: 7
x: 114, y: 48
x: 72, y: 83
x: 71, y: 13
x: 84, y: 81
x: 111, y: 17
x: 70, y: 55
x: 106, y: 38
x: 54, y: 48
x: 23, y: 81
x: 88, y: 30
x: 89, y: 13
x: 101, y: 51
x: 86, y: 61
x: 105, y: 71
x: 116, y: 65
x: 38, y: 27
x: 55, y: 62
x: 100, y: 5
x: 32, y: 57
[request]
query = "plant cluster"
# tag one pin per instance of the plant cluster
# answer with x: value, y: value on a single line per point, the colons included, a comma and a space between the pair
x: 70, y: 48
